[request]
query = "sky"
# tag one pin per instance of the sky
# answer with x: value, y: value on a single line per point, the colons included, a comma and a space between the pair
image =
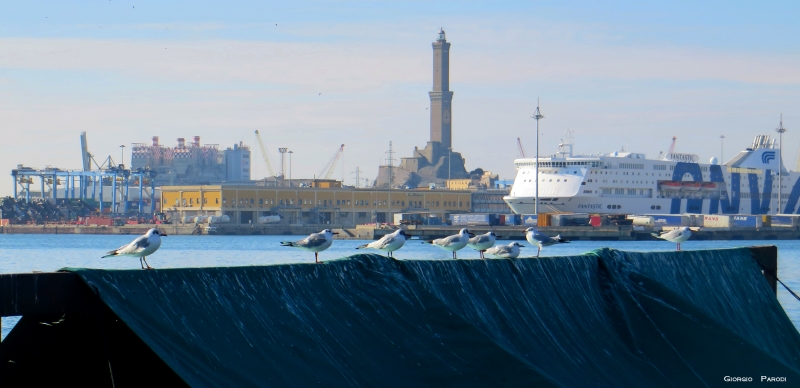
x: 310, y: 76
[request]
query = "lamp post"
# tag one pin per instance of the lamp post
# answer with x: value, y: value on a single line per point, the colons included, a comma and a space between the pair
x: 721, y: 158
x: 122, y: 155
x: 290, y: 168
x: 537, y: 116
x: 780, y: 131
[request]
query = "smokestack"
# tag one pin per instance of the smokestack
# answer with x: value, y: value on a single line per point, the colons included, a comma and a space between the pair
x: 197, y: 141
x: 155, y: 141
x: 181, y: 142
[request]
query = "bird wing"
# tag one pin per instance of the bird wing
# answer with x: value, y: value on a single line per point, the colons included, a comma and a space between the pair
x: 312, y: 241
x: 447, y: 240
x: 135, y: 246
x: 386, y: 240
x: 479, y: 239
x: 500, y: 249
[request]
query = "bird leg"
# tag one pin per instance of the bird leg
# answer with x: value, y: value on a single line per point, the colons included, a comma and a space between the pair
x: 145, y: 261
x: 482, y: 257
x: 140, y: 263
x: 679, y: 246
x: 454, y: 255
x: 316, y: 257
x: 538, y: 250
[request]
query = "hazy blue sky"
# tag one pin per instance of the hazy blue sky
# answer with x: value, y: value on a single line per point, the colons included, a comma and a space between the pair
x: 618, y: 74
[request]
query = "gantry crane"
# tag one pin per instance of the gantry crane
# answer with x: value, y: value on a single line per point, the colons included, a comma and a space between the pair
x: 264, y: 154
x: 332, y: 163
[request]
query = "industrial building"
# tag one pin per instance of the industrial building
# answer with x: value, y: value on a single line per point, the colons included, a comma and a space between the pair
x: 310, y: 205
x: 192, y: 163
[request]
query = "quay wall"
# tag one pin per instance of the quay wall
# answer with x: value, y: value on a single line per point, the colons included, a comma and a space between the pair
x: 370, y: 232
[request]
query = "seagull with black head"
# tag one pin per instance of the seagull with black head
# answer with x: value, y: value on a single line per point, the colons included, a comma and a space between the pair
x: 142, y: 247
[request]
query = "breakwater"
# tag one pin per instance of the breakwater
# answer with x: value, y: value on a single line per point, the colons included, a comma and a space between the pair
x: 607, y: 318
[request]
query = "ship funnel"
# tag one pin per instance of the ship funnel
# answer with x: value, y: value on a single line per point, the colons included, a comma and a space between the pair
x: 181, y: 142
x: 155, y: 141
x: 197, y: 141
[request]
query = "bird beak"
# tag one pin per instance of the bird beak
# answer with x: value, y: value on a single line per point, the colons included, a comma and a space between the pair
x: 335, y: 233
x: 162, y: 234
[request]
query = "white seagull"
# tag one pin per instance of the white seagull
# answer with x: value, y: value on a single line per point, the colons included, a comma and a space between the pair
x: 454, y: 242
x: 510, y: 251
x: 482, y: 242
x: 315, y: 242
x: 534, y: 237
x: 388, y: 243
x: 142, y: 247
x: 677, y: 236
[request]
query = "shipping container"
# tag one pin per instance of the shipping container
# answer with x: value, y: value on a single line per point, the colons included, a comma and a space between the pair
x: 543, y: 219
x: 511, y: 219
x: 571, y: 219
x: 642, y: 221
x: 670, y: 220
x: 746, y: 221
x: 782, y: 221
x: 529, y: 220
x: 473, y: 219
x: 596, y: 220
x: 4, y: 222
x: 98, y: 221
x: 269, y: 219
x: 200, y: 219
x: 433, y: 221
x: 716, y: 221
x: 219, y: 219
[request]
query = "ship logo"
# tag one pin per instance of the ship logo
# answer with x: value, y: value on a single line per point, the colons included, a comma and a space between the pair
x: 768, y: 156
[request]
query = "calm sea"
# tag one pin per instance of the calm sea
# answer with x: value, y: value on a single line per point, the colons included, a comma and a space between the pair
x: 25, y: 253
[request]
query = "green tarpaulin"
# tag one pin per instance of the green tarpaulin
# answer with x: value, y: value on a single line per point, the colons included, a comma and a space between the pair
x: 607, y: 318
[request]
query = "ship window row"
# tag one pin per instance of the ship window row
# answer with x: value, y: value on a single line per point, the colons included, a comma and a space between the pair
x: 662, y: 167
x: 565, y: 164
x: 621, y: 192
x: 635, y: 166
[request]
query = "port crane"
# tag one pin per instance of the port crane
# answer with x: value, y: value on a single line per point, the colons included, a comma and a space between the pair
x: 264, y: 154
x: 328, y: 169
x: 672, y: 146
x: 521, y: 150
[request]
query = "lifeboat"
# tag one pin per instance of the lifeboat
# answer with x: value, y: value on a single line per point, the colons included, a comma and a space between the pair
x: 692, y: 186
x: 709, y: 186
x: 671, y: 186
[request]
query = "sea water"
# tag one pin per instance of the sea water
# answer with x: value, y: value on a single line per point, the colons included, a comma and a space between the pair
x: 26, y: 253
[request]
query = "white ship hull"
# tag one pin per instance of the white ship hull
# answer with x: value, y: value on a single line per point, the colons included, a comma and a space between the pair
x: 629, y: 183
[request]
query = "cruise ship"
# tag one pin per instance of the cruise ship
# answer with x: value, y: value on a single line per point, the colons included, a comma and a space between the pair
x: 675, y: 183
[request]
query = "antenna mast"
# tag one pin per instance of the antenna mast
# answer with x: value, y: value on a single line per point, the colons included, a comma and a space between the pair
x: 390, y: 160
x: 780, y: 131
x: 537, y: 116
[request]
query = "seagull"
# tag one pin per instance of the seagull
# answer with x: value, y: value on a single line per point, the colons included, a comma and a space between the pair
x: 315, y: 242
x: 534, y: 237
x: 142, y: 247
x: 677, y: 236
x: 454, y: 242
x: 510, y: 251
x: 482, y: 242
x: 388, y: 243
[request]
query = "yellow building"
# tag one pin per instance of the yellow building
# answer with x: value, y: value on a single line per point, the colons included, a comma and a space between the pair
x: 341, y: 206
x: 458, y: 184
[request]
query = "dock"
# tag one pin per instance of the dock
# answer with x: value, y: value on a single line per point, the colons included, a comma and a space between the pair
x: 372, y: 232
